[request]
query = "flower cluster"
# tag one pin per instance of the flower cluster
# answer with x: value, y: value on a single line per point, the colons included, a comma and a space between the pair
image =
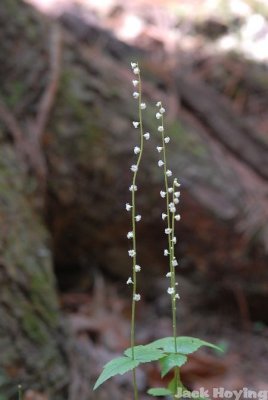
x: 172, y: 196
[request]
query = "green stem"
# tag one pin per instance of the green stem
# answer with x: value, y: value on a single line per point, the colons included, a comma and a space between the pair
x: 134, y: 259
x: 171, y: 225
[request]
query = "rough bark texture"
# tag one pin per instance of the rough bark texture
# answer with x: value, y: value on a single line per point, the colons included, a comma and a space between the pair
x: 32, y: 341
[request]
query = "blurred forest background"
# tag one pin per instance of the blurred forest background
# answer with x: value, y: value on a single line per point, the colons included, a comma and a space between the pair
x: 66, y: 145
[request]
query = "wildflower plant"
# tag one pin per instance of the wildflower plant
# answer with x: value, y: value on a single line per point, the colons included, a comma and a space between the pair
x: 170, y: 352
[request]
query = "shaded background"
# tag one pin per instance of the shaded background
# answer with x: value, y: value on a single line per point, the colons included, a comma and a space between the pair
x: 67, y: 143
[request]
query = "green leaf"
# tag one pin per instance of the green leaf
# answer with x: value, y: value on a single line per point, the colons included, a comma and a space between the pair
x: 144, y: 354
x: 159, y: 392
x: 185, y: 344
x: 170, y: 361
x: 118, y: 366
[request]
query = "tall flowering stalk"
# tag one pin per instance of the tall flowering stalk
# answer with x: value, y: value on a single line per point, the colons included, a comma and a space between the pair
x: 172, y: 199
x: 171, y: 352
x: 138, y: 150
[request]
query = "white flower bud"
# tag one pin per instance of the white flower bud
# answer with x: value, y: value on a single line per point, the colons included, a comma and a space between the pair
x: 160, y: 129
x: 177, y: 217
x: 138, y: 218
x: 147, y: 135
x: 168, y: 231
x: 128, y: 207
x: 137, y: 150
x: 171, y: 290
x: 134, y: 168
x: 163, y: 194
x: 158, y: 115
x: 135, y: 83
x: 169, y: 173
x: 130, y: 235
x: 137, y: 268
x: 159, y: 149
x: 131, y: 253
x: 136, y: 297
x: 129, y: 281
x: 160, y: 163
x: 135, y: 124
x: 143, y: 106
x: 167, y: 139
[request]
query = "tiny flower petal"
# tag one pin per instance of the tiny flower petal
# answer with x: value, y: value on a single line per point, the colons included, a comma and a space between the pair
x: 147, y: 135
x: 128, y: 207
x: 138, y: 218
x: 160, y: 163
x: 163, y: 194
x: 177, y: 217
x: 136, y: 297
x: 130, y: 235
x: 143, y: 106
x: 137, y: 268
x: 137, y: 150
x: 160, y: 129
x: 169, y: 173
x: 159, y: 149
x: 129, y: 281
x: 167, y: 139
x: 171, y: 290
x: 131, y: 253
x: 174, y: 262
x: 168, y: 275
x: 168, y: 231
x: 164, y: 216
x: 135, y: 124
x: 134, y: 168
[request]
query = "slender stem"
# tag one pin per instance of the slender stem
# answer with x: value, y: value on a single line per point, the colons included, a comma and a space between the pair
x: 171, y: 225
x: 134, y: 259
x: 19, y: 392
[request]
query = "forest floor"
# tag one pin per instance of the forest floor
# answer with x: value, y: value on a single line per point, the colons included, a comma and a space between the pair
x: 101, y: 324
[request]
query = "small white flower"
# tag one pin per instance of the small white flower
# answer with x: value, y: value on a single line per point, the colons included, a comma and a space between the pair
x: 163, y: 194
x: 133, y: 65
x: 171, y: 290
x: 176, y: 201
x: 160, y: 129
x: 158, y: 115
x: 176, y: 183
x: 174, y: 262
x: 136, y: 297
x: 131, y: 253
x: 135, y: 83
x: 135, y: 124
x: 138, y: 218
x: 162, y: 110
x: 177, y: 217
x: 130, y: 235
x: 147, y: 135
x: 168, y: 231
x: 128, y: 207
x: 133, y: 188
x: 166, y: 252
x: 134, y: 168
x: 164, y: 216
x: 168, y: 275
x: 159, y: 149
x: 177, y: 296
x: 135, y: 95
x: 136, y: 71
x: 129, y: 281
x: 137, y: 150
x: 137, y: 268
x: 177, y: 194
x: 168, y: 173
x: 174, y: 240
x: 160, y: 163
x: 143, y: 106
x: 167, y: 139
x: 170, y: 190
x: 173, y: 209
x: 158, y: 104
